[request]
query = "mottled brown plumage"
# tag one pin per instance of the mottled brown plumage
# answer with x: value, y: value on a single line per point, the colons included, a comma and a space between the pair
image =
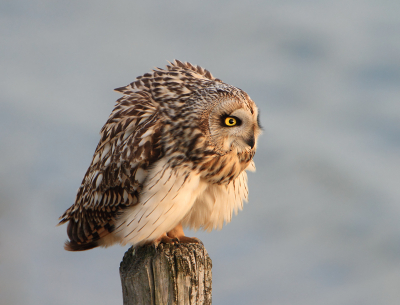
x: 166, y: 158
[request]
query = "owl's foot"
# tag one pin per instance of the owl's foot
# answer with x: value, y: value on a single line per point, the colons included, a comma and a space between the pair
x: 189, y: 240
x: 178, y: 234
x: 165, y: 239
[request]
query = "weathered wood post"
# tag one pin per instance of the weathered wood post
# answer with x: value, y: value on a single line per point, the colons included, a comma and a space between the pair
x: 171, y: 274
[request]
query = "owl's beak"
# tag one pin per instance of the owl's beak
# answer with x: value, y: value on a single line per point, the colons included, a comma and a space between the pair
x: 250, y: 141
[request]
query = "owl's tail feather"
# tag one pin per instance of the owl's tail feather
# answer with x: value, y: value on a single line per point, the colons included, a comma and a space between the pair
x: 83, y: 236
x: 74, y: 246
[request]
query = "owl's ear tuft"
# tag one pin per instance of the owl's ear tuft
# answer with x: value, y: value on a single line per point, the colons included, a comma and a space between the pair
x: 123, y: 90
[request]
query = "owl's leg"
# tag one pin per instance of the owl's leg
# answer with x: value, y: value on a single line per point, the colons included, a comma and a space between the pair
x: 177, y: 233
x: 165, y: 240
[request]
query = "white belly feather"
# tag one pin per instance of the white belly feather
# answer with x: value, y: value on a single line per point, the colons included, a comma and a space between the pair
x: 216, y: 205
x: 166, y: 198
x: 170, y: 197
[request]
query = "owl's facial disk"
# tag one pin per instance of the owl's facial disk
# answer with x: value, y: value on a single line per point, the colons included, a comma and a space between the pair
x: 236, y: 129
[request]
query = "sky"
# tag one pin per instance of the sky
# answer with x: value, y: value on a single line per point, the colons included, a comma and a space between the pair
x: 322, y: 223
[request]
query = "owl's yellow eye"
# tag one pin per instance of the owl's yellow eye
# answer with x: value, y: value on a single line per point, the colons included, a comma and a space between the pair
x: 230, y: 121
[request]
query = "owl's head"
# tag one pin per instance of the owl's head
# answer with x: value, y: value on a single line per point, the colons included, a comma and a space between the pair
x: 191, y: 98
x: 233, y: 122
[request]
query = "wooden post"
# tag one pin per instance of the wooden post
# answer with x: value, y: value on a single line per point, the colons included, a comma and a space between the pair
x: 171, y: 274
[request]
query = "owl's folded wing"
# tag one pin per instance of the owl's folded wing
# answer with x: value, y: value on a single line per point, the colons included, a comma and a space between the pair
x: 129, y: 145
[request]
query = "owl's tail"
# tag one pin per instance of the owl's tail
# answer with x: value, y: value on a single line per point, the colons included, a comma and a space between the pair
x: 84, y: 235
x: 74, y: 246
x: 80, y: 237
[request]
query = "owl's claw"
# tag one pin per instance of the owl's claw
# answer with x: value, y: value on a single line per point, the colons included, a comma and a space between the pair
x: 165, y: 239
x: 178, y: 234
x: 175, y: 236
x: 189, y: 240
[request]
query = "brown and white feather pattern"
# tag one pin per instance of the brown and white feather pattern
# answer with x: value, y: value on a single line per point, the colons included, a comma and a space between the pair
x: 162, y: 160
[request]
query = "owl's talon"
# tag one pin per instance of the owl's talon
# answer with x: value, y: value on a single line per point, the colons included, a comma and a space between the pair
x: 189, y: 240
x: 178, y: 235
x: 165, y: 239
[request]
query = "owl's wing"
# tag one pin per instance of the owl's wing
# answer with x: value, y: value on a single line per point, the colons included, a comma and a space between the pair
x: 130, y: 143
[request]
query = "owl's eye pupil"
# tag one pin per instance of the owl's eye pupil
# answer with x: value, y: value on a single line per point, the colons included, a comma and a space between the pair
x: 229, y: 121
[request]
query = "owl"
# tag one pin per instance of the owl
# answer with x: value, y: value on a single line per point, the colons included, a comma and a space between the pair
x: 173, y: 154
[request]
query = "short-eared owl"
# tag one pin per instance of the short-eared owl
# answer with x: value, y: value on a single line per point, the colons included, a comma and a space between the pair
x: 172, y: 154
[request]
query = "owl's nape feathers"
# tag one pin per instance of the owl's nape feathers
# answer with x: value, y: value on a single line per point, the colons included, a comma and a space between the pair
x: 174, y: 152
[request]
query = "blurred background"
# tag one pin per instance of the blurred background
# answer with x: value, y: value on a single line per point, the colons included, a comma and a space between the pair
x: 323, y: 222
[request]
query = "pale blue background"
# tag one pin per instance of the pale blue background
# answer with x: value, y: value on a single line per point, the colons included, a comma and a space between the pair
x: 323, y: 222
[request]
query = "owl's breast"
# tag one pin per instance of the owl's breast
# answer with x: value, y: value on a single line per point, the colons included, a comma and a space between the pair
x: 222, y: 169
